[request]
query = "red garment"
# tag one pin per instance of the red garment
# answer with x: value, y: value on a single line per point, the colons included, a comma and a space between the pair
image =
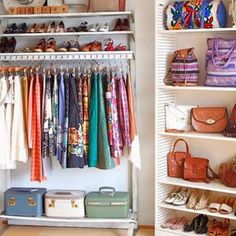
x: 37, y: 173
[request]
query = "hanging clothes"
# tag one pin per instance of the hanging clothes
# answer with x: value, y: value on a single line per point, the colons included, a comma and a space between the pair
x: 105, y: 160
x: 85, y: 114
x: 123, y: 110
x: 37, y: 171
x: 75, y: 133
x: 93, y: 124
x: 48, y: 138
x: 25, y: 87
x: 19, y: 144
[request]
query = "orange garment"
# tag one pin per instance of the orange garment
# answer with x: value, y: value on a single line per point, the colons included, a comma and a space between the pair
x: 25, y: 87
x: 37, y: 173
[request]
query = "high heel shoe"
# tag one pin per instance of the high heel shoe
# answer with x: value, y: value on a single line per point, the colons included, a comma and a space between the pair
x: 203, y: 201
x: 60, y: 27
x: 202, y: 225
x: 11, y: 45
x: 51, y: 27
x: 191, y: 227
x: 193, y: 199
x: 41, y: 28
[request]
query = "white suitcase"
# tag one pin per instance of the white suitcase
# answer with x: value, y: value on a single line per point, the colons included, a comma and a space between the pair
x: 65, y: 204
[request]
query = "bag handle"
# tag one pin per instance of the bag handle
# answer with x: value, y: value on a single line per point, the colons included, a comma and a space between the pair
x: 228, y: 55
x: 181, y: 140
x: 214, y: 175
x: 107, y: 190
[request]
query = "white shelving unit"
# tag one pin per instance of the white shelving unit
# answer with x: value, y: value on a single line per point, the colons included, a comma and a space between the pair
x: 215, y: 147
x: 28, y: 58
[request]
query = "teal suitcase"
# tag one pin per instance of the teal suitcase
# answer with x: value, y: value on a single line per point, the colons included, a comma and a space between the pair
x: 107, y: 203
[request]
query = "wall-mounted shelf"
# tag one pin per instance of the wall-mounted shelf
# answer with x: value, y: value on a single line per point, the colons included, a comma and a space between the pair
x: 198, y: 88
x: 215, y: 186
x: 121, y: 55
x: 184, y: 31
x: 34, y: 35
x: 214, y: 137
x: 170, y: 232
x: 68, y: 15
x: 204, y: 211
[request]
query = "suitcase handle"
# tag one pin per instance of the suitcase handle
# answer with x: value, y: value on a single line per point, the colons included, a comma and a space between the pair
x: 107, y: 190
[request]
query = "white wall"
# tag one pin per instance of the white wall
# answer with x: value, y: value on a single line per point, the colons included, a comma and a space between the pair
x: 145, y: 36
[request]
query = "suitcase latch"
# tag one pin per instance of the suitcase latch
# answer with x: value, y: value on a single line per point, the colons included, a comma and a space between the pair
x: 52, y: 204
x: 31, y: 202
x: 12, y: 202
x: 73, y: 204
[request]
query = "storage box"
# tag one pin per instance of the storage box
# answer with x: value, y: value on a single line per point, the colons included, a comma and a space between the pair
x: 24, y: 201
x: 38, y: 10
x: 29, y: 10
x: 107, y: 203
x: 65, y: 204
x: 46, y: 10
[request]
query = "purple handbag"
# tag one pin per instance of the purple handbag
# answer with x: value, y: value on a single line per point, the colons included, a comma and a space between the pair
x: 221, y: 63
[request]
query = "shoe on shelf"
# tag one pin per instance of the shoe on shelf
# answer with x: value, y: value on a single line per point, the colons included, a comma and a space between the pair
x: 203, y: 201
x: 21, y: 28
x: 11, y: 45
x: 224, y: 228
x: 60, y: 28
x: 71, y: 29
x: 41, y: 28
x: 65, y: 47
x: 51, y: 45
x: 32, y: 28
x: 201, y: 227
x: 193, y: 199
x: 109, y: 45
x: 87, y: 47
x: 96, y: 46
x: 169, y: 222
x: 40, y: 46
x: 182, y: 197
x: 214, y: 207
x: 3, y: 44
x: 83, y: 27
x: 125, y: 25
x: 74, y: 46
x: 94, y: 28
x: 104, y: 28
x: 228, y: 206
x: 120, y: 47
x: 10, y: 29
x: 179, y: 225
x: 118, y: 25
x: 192, y: 226
x: 51, y: 27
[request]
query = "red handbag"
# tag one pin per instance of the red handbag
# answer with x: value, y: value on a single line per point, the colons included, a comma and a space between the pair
x: 230, y: 130
x: 175, y: 160
x: 227, y: 173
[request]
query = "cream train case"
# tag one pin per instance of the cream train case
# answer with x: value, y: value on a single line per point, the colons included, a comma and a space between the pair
x: 65, y: 204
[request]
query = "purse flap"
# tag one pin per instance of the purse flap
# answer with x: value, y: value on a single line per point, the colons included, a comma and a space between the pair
x: 196, y: 164
x: 177, y: 157
x: 209, y: 115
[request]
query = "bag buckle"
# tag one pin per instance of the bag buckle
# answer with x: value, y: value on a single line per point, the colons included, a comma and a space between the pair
x: 31, y: 202
x: 210, y: 121
x: 12, y: 202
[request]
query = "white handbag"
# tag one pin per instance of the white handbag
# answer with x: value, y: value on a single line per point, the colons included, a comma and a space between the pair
x: 178, y: 117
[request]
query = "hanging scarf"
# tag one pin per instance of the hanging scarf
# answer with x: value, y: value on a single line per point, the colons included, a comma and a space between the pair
x: 123, y: 110
x: 37, y: 173
x: 75, y: 143
x: 86, y: 114
x: 48, y: 138
x: 61, y: 119
x: 105, y: 160
x: 93, y: 124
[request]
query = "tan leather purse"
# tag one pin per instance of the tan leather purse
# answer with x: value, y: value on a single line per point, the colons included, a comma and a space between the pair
x: 106, y: 5
x: 175, y: 160
x: 209, y: 119
x: 227, y: 173
x: 197, y: 170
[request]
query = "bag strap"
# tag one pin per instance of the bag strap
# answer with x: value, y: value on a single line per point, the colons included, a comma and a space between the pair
x: 181, y: 140
x: 214, y: 175
x: 232, y: 119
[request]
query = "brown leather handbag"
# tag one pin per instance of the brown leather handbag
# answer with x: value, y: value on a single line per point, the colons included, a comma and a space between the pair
x: 197, y: 170
x: 230, y: 130
x: 209, y: 119
x: 227, y: 173
x: 175, y: 160
x: 106, y: 5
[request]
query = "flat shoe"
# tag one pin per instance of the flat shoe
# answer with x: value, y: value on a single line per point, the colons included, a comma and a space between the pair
x: 104, y: 28
x: 215, y: 206
x: 169, y: 222
x: 227, y: 207
x: 179, y: 224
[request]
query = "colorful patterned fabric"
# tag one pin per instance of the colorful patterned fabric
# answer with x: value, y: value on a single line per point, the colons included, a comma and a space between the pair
x: 75, y: 132
x: 123, y: 110
x: 55, y: 107
x: 48, y: 138
x: 37, y: 172
x: 105, y: 160
x: 93, y: 124
x: 86, y: 114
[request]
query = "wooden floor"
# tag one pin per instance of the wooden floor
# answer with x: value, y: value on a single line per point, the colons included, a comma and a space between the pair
x: 46, y: 231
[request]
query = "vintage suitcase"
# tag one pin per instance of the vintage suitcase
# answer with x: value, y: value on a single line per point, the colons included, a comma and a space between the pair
x: 65, y: 204
x: 107, y: 203
x: 24, y: 201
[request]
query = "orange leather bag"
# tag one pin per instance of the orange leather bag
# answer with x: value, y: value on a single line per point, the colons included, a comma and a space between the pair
x: 176, y: 159
x: 209, y: 119
x: 106, y: 5
x: 227, y: 173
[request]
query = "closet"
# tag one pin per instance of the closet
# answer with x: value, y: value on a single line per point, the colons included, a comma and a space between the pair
x: 124, y: 177
x: 214, y: 147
